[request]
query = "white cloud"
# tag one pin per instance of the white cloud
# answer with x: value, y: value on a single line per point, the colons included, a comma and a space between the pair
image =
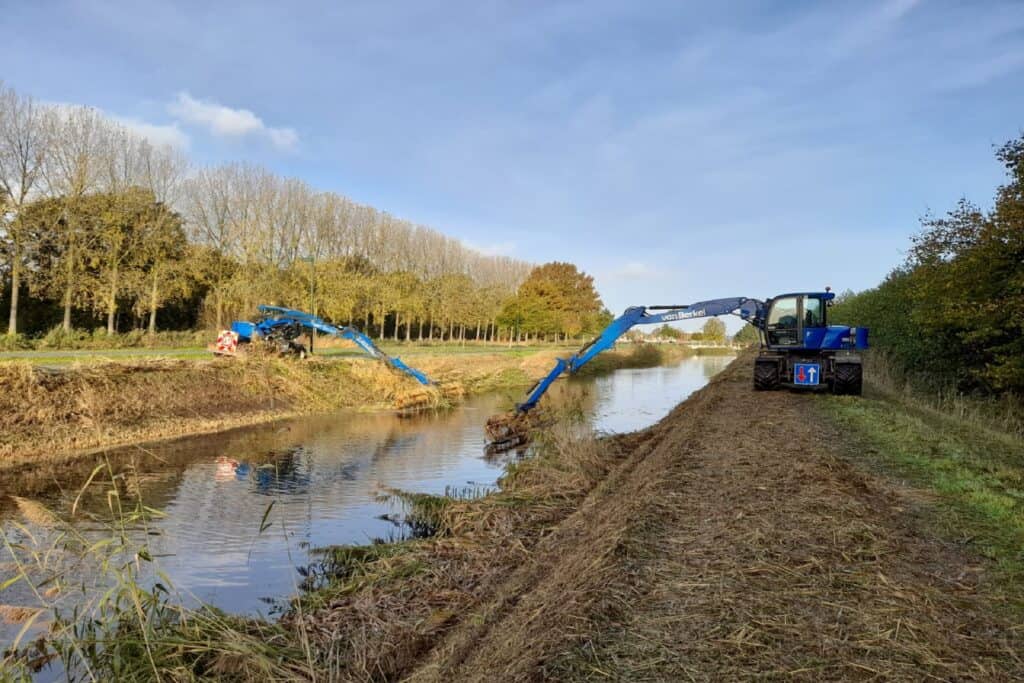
x: 170, y: 134
x: 226, y: 122
x: 157, y: 133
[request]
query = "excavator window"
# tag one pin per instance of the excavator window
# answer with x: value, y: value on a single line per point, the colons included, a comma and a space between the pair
x: 813, y: 312
x: 781, y: 327
x: 783, y: 314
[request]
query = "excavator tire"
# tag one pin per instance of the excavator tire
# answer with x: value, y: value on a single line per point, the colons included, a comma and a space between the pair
x: 766, y: 376
x: 848, y: 379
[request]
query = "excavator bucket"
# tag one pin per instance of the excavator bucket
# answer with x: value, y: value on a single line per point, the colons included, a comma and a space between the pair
x: 514, y: 428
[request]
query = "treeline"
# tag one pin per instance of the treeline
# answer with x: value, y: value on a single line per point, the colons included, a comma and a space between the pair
x: 99, y: 226
x: 953, y: 313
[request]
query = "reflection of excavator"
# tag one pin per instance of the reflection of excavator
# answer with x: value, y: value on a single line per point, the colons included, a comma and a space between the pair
x: 279, y: 328
x: 798, y: 349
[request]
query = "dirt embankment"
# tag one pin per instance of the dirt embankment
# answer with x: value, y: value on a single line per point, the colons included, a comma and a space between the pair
x: 733, y: 541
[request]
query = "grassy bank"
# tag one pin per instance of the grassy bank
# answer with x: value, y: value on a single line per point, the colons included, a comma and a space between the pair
x: 366, y: 611
x: 969, y: 476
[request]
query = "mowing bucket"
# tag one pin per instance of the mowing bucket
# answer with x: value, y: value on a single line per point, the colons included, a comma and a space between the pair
x: 512, y: 429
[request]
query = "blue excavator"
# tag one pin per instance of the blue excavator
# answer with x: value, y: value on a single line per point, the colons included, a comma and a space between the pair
x: 280, y: 328
x: 798, y: 349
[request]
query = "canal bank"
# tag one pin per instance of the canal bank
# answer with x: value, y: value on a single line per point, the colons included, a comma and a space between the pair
x: 735, y: 538
x: 53, y: 420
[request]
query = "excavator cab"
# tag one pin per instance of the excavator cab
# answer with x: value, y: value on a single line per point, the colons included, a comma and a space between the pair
x: 790, y: 315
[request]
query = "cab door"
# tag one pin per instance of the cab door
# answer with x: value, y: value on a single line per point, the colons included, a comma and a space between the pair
x: 783, y: 327
x: 813, y: 319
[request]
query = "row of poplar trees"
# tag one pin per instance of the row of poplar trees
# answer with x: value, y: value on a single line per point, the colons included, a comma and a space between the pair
x: 100, y: 225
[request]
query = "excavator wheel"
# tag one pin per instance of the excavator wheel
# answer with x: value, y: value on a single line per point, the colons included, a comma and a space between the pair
x: 766, y: 376
x: 848, y: 379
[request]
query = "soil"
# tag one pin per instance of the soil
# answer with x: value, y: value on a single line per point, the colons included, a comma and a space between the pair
x: 734, y: 541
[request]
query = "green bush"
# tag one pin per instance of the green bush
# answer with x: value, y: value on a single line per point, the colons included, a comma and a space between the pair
x: 954, y: 312
x: 98, y: 339
x: 14, y: 342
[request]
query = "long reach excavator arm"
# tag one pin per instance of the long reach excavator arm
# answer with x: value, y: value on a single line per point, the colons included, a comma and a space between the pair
x: 361, y: 340
x: 799, y: 349
x: 751, y: 310
x: 283, y: 325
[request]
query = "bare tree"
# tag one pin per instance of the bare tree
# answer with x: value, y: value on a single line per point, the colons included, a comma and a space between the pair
x: 23, y: 148
x: 74, y: 167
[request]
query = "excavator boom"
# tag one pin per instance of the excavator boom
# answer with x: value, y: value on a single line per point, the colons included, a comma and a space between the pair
x: 290, y: 321
x: 798, y: 349
x: 749, y: 309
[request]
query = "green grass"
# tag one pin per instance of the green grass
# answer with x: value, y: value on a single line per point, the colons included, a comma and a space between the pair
x: 975, y: 473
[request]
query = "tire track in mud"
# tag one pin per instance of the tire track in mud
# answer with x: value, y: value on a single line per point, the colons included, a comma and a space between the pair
x: 732, y: 543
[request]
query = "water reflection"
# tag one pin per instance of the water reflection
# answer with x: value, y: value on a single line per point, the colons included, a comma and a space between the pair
x: 324, y: 476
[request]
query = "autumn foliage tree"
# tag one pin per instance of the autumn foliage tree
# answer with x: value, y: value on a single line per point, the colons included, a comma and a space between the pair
x: 713, y: 331
x: 555, y: 299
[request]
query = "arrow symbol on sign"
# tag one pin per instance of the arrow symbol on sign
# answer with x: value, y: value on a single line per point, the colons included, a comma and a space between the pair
x: 801, y: 376
x: 812, y: 371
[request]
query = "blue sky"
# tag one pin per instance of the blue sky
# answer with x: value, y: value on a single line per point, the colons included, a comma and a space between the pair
x: 677, y: 151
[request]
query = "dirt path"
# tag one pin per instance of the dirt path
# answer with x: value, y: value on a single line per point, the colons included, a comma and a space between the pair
x: 734, y: 543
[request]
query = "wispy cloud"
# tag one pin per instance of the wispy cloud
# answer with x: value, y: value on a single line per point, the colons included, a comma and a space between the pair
x: 226, y: 122
x: 158, y: 134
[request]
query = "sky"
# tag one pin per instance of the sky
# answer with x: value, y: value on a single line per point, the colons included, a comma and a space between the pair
x: 677, y: 151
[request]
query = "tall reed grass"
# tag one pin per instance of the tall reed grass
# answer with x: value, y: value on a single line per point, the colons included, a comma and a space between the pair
x: 1004, y: 414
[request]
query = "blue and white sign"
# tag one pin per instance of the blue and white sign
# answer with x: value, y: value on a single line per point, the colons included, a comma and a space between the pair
x: 806, y: 373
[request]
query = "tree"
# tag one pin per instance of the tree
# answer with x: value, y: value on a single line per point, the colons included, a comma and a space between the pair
x: 714, y: 331
x: 558, y: 298
x: 78, y: 141
x: 118, y: 228
x: 666, y: 331
x: 747, y: 336
x: 953, y: 313
x: 162, y: 256
x: 247, y: 232
x: 23, y: 147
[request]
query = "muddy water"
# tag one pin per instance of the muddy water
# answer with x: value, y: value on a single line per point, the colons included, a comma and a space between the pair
x: 324, y: 476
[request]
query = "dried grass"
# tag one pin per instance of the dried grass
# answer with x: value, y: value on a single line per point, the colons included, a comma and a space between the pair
x: 36, y: 513
x: 15, y: 614
x: 727, y: 542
